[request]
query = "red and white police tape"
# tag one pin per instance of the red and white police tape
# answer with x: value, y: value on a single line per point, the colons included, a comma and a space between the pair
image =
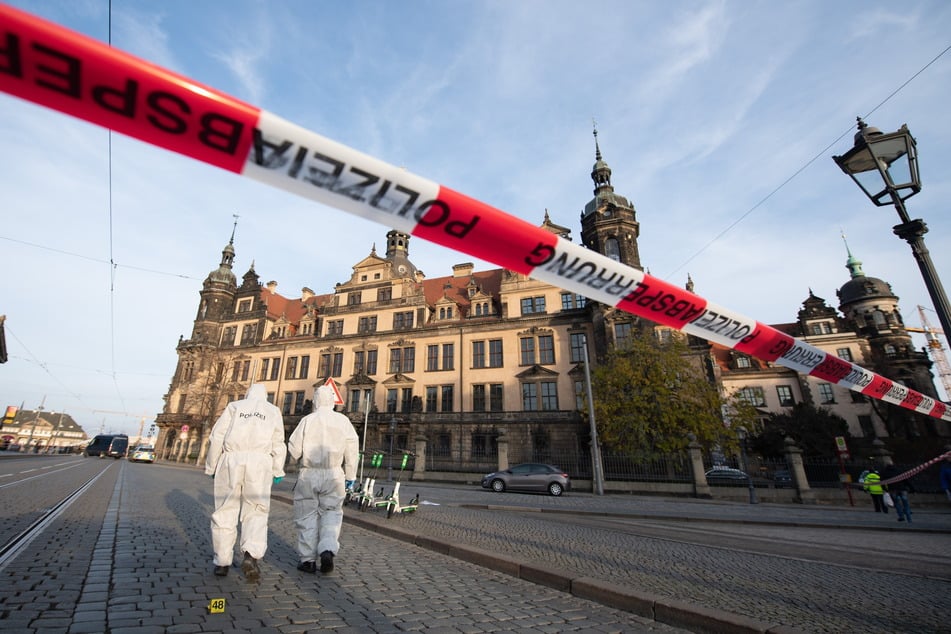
x: 83, y: 77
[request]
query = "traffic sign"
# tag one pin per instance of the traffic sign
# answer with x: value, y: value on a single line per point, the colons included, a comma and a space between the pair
x: 338, y: 399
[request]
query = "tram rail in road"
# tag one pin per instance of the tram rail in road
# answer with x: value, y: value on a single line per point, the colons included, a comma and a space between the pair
x: 15, y: 537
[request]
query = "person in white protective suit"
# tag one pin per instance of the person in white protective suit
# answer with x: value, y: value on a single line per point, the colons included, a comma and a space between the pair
x: 245, y: 457
x: 326, y: 444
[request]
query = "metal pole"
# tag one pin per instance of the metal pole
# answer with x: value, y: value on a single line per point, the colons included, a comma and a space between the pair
x: 746, y: 468
x: 597, y: 469
x: 392, y: 434
x: 363, y: 449
x: 912, y: 232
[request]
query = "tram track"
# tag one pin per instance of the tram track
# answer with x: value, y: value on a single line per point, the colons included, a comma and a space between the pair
x: 15, y: 539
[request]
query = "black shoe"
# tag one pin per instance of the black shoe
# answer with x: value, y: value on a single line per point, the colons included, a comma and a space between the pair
x: 221, y: 571
x: 307, y: 566
x: 250, y: 567
x: 326, y: 561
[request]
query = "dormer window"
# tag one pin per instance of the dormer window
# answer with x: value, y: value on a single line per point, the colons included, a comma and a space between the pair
x: 244, y: 306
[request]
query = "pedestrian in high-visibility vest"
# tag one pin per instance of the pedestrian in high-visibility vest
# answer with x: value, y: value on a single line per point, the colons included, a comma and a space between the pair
x: 874, y: 488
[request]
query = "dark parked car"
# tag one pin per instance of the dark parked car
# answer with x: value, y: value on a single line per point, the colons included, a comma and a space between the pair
x: 782, y: 479
x: 529, y: 477
x: 726, y: 476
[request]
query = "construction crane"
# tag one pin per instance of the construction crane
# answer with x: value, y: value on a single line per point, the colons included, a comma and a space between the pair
x: 935, y: 350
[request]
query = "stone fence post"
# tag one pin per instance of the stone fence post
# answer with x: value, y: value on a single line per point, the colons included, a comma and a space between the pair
x: 419, y: 465
x: 700, y: 487
x: 804, y: 494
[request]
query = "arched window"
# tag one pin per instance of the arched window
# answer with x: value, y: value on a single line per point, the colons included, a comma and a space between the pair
x: 612, y: 250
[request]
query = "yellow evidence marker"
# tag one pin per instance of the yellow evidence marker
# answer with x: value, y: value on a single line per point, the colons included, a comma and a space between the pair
x: 216, y: 606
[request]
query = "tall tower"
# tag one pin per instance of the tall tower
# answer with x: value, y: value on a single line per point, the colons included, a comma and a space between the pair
x: 609, y: 223
x: 871, y: 310
x: 217, y: 297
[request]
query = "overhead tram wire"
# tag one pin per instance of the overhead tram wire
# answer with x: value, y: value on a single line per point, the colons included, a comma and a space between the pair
x: 112, y: 262
x: 820, y: 154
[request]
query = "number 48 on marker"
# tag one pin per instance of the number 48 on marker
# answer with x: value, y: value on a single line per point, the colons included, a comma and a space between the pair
x: 216, y: 606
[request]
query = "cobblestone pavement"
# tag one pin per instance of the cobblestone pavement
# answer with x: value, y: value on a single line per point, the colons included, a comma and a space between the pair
x: 134, y: 556
x: 838, y: 569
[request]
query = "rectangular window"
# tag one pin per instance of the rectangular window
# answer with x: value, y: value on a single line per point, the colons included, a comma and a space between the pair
x: 227, y: 339
x: 844, y: 353
x: 529, y: 397
x: 546, y: 349
x: 371, y: 362
x: 406, y: 402
x: 826, y: 395
x: 396, y: 360
x: 478, y: 398
x: 578, y: 341
x: 478, y: 354
x: 236, y: 372
x: 248, y: 333
x: 448, y: 356
x: 264, y: 367
x: 358, y: 362
x: 323, y: 369
x: 337, y: 369
x: 495, y: 353
x: 391, y: 401
x: 443, y: 445
x: 355, y: 400
x: 304, y: 366
x: 244, y: 306
x: 743, y: 362
x: 409, y: 359
x: 293, y: 403
x: 622, y: 335
x: 567, y: 301
x: 275, y: 368
x: 403, y: 321
x: 431, y: 396
x: 532, y: 305
x: 579, y: 395
x: 527, y: 350
x: 384, y: 294
x: 245, y: 370
x: 290, y: 372
x: 447, y: 397
x: 432, y: 358
x: 784, y: 392
x: 495, y: 397
x: 353, y: 298
x: 366, y: 325
x: 335, y: 327
x: 549, y: 391
x: 754, y: 396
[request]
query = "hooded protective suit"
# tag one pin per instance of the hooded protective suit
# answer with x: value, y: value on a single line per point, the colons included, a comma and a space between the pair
x: 327, y: 445
x: 246, y: 453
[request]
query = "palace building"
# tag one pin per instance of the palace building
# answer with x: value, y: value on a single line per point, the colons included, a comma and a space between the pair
x: 465, y: 359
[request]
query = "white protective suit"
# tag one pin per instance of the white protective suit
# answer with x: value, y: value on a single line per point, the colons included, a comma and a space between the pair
x: 328, y: 447
x: 246, y: 453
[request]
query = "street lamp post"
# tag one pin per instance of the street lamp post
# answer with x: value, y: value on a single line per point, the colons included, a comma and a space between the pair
x: 885, y: 166
x: 741, y: 433
x: 392, y: 436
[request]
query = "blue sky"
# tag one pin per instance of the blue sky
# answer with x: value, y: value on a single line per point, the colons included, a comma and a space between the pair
x: 718, y: 119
